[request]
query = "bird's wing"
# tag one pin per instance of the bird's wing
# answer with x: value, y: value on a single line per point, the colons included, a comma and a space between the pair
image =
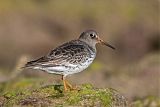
x: 72, y: 52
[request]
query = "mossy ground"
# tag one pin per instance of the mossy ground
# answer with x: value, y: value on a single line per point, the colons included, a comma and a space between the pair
x: 26, y: 92
x: 29, y: 92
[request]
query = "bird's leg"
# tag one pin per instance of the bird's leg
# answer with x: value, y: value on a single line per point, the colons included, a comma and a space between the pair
x: 64, y: 83
x: 69, y: 85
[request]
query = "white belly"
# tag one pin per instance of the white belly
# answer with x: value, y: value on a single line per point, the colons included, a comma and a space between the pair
x: 69, y: 68
x: 80, y: 67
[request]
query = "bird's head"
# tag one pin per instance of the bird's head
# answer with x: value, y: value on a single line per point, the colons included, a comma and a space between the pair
x: 91, y: 37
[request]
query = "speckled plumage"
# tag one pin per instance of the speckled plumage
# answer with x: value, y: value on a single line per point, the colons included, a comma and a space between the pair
x: 71, y: 57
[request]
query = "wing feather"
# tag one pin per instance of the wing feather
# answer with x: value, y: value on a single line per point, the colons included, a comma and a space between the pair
x: 73, y: 52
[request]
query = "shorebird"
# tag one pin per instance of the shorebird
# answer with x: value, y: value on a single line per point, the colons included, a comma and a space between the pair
x: 71, y: 57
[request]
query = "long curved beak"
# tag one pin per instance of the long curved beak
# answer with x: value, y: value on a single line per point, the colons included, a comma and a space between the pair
x: 105, y: 43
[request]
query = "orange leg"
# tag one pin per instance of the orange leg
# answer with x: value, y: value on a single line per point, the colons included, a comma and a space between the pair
x: 69, y: 85
x: 64, y: 83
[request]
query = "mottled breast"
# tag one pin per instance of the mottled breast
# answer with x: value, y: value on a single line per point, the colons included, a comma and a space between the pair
x: 73, y: 57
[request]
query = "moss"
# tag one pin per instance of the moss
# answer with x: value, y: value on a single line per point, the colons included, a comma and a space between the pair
x: 53, y: 91
x: 89, y: 96
x: 24, y: 93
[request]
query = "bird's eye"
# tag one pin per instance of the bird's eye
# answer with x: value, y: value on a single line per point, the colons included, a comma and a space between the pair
x: 92, y: 35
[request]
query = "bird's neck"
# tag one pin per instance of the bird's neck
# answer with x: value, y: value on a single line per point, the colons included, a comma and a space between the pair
x: 91, y: 45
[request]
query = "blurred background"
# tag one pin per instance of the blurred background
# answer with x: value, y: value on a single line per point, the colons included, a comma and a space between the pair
x: 29, y: 29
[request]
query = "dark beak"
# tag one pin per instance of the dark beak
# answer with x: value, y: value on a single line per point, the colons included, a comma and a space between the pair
x: 105, y: 43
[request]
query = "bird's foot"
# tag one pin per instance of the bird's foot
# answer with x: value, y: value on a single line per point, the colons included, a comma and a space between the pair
x: 72, y: 88
x: 68, y: 86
